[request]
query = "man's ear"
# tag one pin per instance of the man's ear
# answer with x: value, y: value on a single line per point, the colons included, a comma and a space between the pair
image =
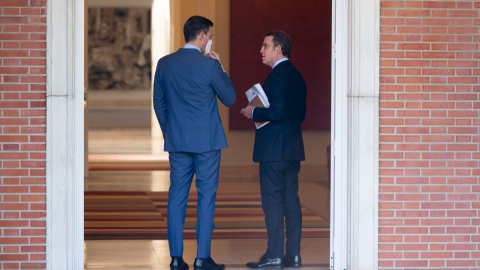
x: 278, y: 50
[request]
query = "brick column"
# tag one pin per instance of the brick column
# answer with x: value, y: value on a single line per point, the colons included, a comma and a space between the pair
x: 23, y: 134
x: 429, y: 135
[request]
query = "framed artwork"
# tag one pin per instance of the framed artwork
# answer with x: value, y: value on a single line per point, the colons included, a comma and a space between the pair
x: 119, y: 44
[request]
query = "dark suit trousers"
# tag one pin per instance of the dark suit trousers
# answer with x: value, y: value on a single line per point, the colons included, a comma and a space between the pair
x: 281, y: 204
x: 182, y: 167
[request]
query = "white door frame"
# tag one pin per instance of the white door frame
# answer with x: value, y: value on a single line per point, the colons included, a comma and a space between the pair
x: 65, y: 134
x: 355, y: 141
x: 355, y: 107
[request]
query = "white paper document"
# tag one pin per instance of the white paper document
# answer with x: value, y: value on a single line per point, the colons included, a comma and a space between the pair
x: 257, y: 98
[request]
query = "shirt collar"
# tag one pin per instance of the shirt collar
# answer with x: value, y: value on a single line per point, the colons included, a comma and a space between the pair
x: 190, y: 46
x: 279, y: 61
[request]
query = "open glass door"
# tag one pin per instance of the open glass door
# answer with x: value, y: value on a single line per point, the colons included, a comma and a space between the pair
x: 85, y: 96
x: 338, y: 172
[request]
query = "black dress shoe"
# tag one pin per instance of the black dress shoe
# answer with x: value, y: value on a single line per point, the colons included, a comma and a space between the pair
x: 268, y: 263
x: 207, y: 264
x: 178, y: 264
x: 292, y: 261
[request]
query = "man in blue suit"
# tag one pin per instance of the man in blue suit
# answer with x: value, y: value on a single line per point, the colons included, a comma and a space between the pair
x: 186, y: 86
x: 279, y: 149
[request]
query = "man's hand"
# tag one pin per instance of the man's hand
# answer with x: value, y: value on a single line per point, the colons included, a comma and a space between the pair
x: 247, y: 112
x: 215, y: 55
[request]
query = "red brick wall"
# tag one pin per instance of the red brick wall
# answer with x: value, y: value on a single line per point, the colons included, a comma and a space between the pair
x: 22, y: 134
x: 429, y: 135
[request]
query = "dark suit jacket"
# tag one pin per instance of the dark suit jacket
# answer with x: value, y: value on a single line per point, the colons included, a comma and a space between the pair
x: 282, y: 138
x: 186, y: 88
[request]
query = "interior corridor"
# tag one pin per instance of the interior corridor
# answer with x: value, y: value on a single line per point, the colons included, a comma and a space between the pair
x: 113, y: 132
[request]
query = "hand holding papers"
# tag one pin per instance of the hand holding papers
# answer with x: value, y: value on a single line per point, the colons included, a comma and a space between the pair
x: 257, y: 98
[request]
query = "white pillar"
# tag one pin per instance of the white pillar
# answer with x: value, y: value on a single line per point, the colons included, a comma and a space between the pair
x: 65, y: 124
x: 364, y: 134
x: 161, y: 37
x: 355, y: 134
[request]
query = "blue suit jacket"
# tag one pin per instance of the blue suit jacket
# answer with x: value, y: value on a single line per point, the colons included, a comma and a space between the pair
x: 281, y: 139
x: 186, y: 87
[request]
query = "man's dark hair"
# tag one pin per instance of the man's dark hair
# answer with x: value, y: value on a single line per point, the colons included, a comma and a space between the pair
x: 283, y: 39
x: 194, y: 25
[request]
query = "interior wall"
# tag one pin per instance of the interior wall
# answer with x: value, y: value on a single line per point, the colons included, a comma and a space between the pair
x: 316, y: 140
x: 240, y: 150
x: 311, y: 48
x: 240, y: 142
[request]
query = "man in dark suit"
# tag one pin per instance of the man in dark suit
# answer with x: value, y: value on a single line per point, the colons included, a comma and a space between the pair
x: 279, y: 149
x: 186, y: 88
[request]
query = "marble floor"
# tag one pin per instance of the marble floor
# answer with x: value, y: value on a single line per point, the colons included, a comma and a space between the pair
x: 154, y: 254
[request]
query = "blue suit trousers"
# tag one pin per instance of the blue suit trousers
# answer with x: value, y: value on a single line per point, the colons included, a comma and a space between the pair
x: 182, y: 167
